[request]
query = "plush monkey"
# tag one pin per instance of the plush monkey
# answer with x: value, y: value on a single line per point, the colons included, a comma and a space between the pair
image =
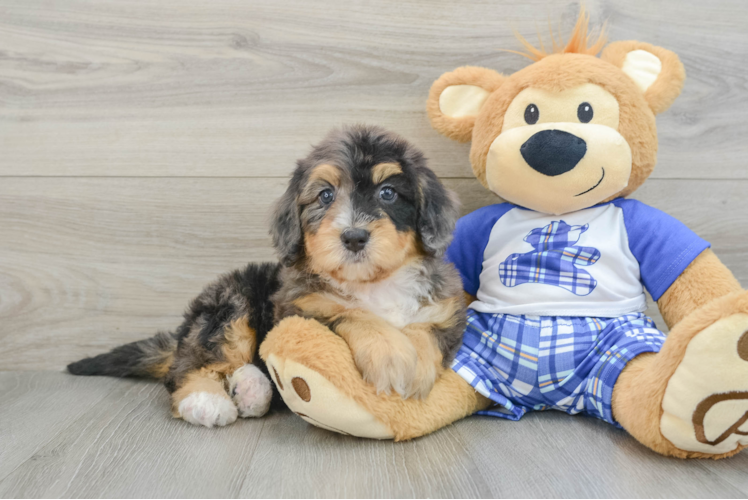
x: 556, y: 274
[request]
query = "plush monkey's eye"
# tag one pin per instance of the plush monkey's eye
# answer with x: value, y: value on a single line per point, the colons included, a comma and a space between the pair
x: 584, y: 112
x: 387, y: 194
x: 326, y: 197
x: 531, y: 114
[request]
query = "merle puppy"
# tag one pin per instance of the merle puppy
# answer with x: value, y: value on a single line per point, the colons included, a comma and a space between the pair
x: 360, y: 234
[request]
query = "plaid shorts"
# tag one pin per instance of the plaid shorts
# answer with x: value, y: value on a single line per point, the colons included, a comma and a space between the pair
x: 563, y: 363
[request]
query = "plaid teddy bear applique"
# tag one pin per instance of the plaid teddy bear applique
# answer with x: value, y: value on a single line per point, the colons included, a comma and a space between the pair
x: 554, y: 260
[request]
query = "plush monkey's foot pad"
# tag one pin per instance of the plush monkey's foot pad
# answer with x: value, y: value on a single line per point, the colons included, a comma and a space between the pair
x: 315, y: 399
x: 705, y: 408
x: 251, y: 391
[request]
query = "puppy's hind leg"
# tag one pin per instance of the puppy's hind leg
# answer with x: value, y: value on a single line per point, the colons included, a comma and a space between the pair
x: 202, y: 400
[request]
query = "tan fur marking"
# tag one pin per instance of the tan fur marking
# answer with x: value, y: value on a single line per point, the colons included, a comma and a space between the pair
x: 241, y: 343
x: 444, y: 314
x: 382, y: 171
x: 160, y: 370
x: 323, y: 246
x: 318, y: 305
x: 326, y: 172
x: 388, y: 250
x: 206, y: 379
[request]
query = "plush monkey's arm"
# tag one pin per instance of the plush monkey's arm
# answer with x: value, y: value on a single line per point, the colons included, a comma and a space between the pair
x: 704, y: 280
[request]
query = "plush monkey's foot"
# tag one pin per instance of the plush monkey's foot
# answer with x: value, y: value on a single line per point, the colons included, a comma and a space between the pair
x: 251, y: 391
x: 705, y: 407
x: 305, y: 359
x: 315, y: 399
x: 317, y: 377
x: 693, y: 394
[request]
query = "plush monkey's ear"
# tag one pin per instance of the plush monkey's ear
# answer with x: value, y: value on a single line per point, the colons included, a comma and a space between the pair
x: 657, y: 72
x: 456, y: 99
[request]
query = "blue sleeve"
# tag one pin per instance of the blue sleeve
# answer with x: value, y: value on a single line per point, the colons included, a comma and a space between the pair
x: 469, y: 243
x: 663, y: 245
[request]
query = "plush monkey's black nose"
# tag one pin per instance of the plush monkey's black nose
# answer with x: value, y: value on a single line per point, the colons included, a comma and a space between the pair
x: 355, y: 239
x: 553, y: 152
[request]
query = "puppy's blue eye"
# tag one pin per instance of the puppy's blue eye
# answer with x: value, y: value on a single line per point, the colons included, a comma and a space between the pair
x: 388, y: 194
x: 326, y: 197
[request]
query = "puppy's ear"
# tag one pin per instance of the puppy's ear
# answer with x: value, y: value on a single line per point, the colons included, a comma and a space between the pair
x: 457, y: 97
x: 285, y: 228
x: 437, y: 213
x: 657, y: 72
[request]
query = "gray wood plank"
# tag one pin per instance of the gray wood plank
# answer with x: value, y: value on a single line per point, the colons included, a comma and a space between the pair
x: 173, y: 89
x: 87, y: 264
x: 37, y: 406
x: 297, y: 460
x: 550, y: 454
x: 128, y: 445
x: 732, y: 471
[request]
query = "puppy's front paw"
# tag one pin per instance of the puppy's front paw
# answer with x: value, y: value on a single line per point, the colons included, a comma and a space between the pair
x: 208, y: 409
x: 388, y: 362
x: 423, y: 382
x: 251, y: 391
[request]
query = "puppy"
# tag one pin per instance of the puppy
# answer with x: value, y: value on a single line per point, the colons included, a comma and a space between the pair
x: 360, y: 234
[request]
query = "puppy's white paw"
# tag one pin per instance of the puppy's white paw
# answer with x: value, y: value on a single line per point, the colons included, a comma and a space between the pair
x: 208, y: 409
x: 251, y: 391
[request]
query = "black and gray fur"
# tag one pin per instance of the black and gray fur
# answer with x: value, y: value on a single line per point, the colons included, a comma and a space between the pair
x: 197, y: 341
x: 264, y: 292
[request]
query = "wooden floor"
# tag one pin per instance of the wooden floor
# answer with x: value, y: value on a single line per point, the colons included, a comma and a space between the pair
x: 62, y: 436
x: 141, y: 146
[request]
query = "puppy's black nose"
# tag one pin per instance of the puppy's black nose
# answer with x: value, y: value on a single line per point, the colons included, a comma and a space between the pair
x: 355, y: 239
x: 553, y: 152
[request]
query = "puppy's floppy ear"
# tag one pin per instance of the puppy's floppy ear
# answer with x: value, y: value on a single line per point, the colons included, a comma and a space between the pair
x: 657, y: 72
x: 285, y: 228
x: 437, y: 213
x: 457, y: 97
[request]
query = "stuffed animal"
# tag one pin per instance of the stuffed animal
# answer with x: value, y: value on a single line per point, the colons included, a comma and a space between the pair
x: 556, y: 275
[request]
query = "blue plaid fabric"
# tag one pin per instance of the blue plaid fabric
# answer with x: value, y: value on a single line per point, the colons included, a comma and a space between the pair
x: 526, y: 363
x: 554, y: 260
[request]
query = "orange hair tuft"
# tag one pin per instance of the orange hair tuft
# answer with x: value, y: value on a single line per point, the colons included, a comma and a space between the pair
x: 580, y: 41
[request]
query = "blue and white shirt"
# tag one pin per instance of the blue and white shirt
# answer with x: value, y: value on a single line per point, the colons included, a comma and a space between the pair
x: 594, y: 262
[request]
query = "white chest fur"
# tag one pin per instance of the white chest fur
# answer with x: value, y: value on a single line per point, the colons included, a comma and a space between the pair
x: 399, y: 299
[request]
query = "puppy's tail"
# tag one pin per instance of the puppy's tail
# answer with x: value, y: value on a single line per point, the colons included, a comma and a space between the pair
x: 149, y: 358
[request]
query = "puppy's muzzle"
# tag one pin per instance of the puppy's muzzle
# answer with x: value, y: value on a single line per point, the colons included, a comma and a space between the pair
x: 553, y: 152
x: 355, y: 239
